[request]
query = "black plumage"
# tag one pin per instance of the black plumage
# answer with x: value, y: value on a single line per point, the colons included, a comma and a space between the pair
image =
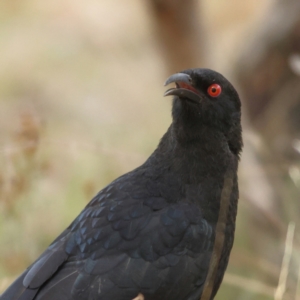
x: 165, y: 229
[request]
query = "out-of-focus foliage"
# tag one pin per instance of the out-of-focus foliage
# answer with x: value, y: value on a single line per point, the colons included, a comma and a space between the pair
x: 81, y: 87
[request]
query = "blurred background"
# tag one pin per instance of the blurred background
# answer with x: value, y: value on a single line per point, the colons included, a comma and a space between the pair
x: 81, y: 85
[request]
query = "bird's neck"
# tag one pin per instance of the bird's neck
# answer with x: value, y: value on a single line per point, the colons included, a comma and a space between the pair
x: 189, y: 154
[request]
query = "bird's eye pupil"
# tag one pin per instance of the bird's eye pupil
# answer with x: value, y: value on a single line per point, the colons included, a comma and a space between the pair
x: 214, y: 90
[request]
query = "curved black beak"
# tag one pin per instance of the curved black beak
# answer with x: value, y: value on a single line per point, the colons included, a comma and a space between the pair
x: 184, y: 87
x: 179, y: 77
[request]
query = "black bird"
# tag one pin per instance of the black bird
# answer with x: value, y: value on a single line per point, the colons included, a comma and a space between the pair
x: 163, y: 231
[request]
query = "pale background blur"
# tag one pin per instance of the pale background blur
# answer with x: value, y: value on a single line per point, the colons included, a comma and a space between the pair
x: 81, y: 85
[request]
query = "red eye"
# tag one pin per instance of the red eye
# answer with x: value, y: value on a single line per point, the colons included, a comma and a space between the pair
x: 214, y: 90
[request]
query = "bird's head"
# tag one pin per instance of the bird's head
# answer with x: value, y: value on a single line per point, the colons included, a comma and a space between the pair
x: 205, y: 100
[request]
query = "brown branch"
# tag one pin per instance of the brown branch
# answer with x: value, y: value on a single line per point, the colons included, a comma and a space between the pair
x: 178, y: 32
